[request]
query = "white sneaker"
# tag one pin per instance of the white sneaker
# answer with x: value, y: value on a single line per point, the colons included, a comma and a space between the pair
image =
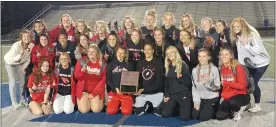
x: 24, y: 103
x: 16, y: 106
x: 237, y: 115
x: 255, y: 108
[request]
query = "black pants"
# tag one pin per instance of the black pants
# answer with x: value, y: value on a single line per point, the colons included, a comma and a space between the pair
x: 227, y: 107
x: 206, y: 110
x: 184, y: 100
x: 257, y: 74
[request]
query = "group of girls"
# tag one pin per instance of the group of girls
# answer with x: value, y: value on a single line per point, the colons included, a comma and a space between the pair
x: 186, y: 71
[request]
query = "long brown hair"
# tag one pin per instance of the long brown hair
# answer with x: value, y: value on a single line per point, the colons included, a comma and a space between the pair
x: 209, y: 62
x: 191, y: 27
x: 192, y: 40
x: 38, y: 72
x: 163, y: 40
x: 40, y: 21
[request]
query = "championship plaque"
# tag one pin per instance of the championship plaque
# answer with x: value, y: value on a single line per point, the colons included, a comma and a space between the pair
x: 129, y: 82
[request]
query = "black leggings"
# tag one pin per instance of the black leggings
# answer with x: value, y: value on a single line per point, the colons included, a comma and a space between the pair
x: 184, y: 100
x: 206, y: 110
x: 257, y: 73
x: 227, y: 107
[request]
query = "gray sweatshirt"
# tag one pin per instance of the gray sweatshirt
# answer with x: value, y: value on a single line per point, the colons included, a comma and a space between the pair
x: 252, y: 54
x: 206, y: 86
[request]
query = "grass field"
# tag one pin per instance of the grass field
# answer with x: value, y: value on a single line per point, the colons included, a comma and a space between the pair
x: 269, y: 45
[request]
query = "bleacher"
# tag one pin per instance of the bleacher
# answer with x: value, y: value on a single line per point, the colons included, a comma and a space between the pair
x: 251, y: 11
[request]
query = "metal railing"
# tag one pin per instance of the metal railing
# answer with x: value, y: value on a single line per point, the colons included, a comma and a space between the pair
x: 38, y: 15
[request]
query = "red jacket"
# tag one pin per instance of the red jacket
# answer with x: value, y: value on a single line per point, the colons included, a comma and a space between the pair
x: 122, y: 36
x: 73, y: 86
x: 48, y: 52
x: 38, y: 96
x: 232, y: 85
x: 54, y: 33
x: 93, y: 80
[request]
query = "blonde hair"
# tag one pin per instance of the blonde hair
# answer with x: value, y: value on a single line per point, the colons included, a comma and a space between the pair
x: 153, y: 13
x: 178, y: 61
x: 132, y: 22
x: 70, y: 19
x: 106, y: 30
x: 99, y: 53
x: 233, y: 61
x: 247, y: 30
x: 24, y: 45
x: 168, y: 13
x: 191, y: 27
x: 207, y: 18
x: 66, y: 55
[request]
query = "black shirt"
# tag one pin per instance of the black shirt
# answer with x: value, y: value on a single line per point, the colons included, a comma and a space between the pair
x: 64, y: 84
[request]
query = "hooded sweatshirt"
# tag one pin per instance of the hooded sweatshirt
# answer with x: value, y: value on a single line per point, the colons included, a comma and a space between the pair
x: 151, y: 76
x: 169, y: 34
x: 14, y: 56
x: 135, y: 51
x: 190, y: 56
x: 174, y: 85
x: 47, y: 51
x: 107, y: 49
x: 252, y: 54
x: 114, y: 71
x: 147, y: 35
x: 206, y: 83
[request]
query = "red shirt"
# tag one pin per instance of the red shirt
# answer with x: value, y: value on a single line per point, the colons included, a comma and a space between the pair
x: 48, y: 52
x: 93, y: 80
x: 54, y: 33
x: 38, y: 96
x: 233, y: 85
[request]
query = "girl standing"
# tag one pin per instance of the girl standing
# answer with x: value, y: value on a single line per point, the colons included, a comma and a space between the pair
x: 150, y: 24
x: 16, y: 61
x: 251, y: 53
x: 135, y: 47
x: 128, y: 26
x: 82, y: 48
x: 171, y: 32
x: 102, y: 32
x: 109, y: 48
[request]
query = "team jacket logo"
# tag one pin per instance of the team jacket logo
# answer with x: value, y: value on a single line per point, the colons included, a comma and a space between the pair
x: 118, y: 69
x: 95, y: 71
x: 147, y: 73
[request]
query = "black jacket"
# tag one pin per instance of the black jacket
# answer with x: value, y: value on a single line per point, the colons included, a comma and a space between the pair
x: 159, y: 53
x: 106, y: 48
x: 114, y: 70
x: 193, y: 55
x: 147, y: 35
x: 135, y: 51
x: 174, y: 85
x: 151, y: 76
x: 202, y: 34
x: 70, y: 48
x: 169, y: 35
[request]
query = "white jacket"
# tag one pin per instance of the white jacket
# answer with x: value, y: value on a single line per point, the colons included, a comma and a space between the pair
x: 14, y: 56
x: 253, y: 54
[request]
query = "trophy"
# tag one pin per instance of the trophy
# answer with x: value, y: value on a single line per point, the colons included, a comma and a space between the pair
x: 129, y: 82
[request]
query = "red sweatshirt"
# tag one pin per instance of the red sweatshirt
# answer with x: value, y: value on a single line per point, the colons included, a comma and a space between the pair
x: 73, y: 87
x: 93, y: 80
x: 38, y: 96
x: 232, y: 85
x: 56, y: 31
x: 48, y: 51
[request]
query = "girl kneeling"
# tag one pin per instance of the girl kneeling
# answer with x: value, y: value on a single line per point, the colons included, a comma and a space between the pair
x: 206, y: 86
x: 90, y: 72
x: 39, y: 85
x: 65, y: 94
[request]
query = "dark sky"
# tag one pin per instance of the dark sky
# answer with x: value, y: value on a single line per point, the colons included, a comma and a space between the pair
x: 15, y: 13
